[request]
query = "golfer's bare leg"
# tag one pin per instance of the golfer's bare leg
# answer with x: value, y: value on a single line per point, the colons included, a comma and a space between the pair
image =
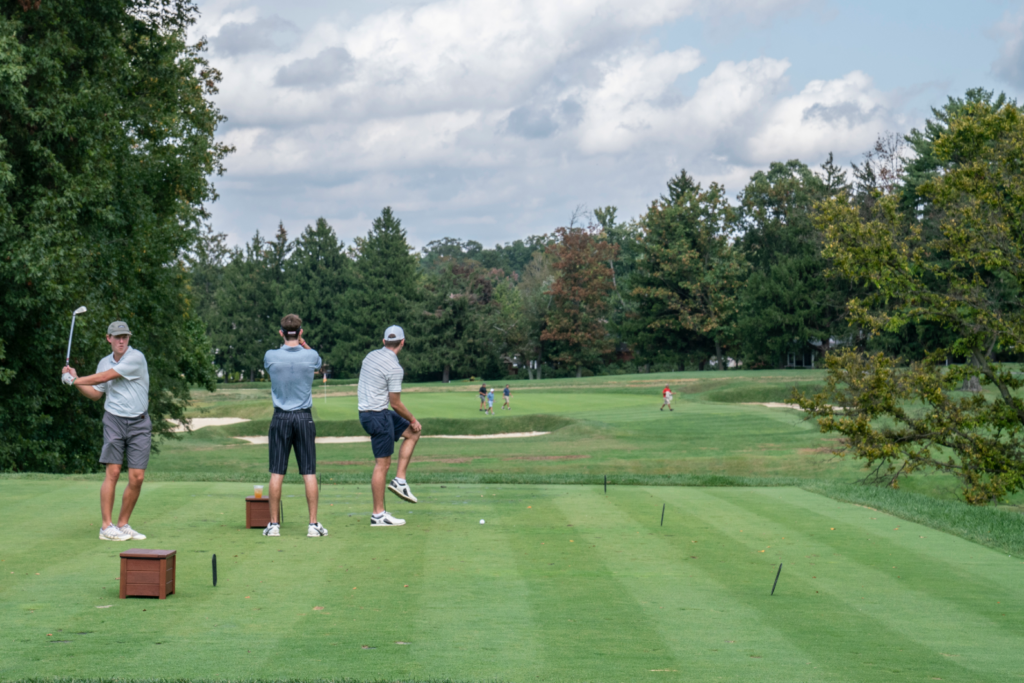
x: 379, y: 481
x: 130, y: 496
x: 275, y: 496
x: 312, y: 496
x: 107, y: 492
x: 405, y: 452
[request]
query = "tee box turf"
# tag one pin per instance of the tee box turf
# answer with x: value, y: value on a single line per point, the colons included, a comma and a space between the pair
x: 257, y: 512
x: 148, y: 573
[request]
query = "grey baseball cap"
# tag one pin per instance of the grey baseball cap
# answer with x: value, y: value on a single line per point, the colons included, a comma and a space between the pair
x: 118, y: 327
x: 394, y: 333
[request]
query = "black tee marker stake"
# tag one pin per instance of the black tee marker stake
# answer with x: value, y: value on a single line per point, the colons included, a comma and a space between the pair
x: 215, y: 570
x: 606, y: 483
x: 776, y: 579
x: 662, y: 514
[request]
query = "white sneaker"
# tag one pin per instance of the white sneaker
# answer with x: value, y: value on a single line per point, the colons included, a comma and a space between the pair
x: 385, y: 520
x: 315, y: 530
x: 132, y: 533
x: 401, y: 490
x: 272, y: 529
x: 113, y: 533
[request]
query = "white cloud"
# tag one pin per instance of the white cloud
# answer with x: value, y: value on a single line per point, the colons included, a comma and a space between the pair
x: 1010, y: 64
x: 845, y: 113
x: 499, y: 113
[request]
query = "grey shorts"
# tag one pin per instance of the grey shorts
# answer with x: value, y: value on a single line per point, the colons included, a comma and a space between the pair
x: 132, y: 434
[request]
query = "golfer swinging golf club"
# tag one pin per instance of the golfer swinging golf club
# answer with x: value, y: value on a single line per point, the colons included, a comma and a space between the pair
x: 123, y: 377
x: 291, y: 369
x: 380, y: 386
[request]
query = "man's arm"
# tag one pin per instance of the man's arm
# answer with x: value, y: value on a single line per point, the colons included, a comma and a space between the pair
x: 399, y: 407
x: 85, y: 384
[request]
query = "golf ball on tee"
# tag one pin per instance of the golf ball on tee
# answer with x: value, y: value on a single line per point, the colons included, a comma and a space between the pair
x: 481, y: 521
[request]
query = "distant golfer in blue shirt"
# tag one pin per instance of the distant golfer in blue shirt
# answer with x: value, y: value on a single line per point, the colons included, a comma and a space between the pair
x: 291, y: 369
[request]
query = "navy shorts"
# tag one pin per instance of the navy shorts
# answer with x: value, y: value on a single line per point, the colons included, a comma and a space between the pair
x: 385, y: 427
x: 288, y: 429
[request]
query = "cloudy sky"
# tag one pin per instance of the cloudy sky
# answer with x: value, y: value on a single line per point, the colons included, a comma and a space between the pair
x: 493, y: 119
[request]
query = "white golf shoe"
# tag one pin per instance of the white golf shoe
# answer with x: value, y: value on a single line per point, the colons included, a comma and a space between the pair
x: 401, y: 490
x: 113, y: 533
x: 132, y: 533
x: 273, y: 529
x: 385, y: 519
x: 316, y: 530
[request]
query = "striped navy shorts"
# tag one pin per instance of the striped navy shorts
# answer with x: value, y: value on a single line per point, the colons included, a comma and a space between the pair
x: 291, y: 428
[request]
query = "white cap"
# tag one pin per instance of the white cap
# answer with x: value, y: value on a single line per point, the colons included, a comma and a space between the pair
x: 394, y: 333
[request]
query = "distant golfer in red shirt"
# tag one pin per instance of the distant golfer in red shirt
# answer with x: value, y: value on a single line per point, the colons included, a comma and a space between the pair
x: 666, y: 398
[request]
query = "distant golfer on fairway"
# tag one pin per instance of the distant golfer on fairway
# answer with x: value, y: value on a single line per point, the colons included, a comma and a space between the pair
x: 123, y: 377
x: 483, y: 395
x: 508, y: 399
x: 291, y: 369
x: 666, y: 399
x: 490, y: 402
x: 380, y: 386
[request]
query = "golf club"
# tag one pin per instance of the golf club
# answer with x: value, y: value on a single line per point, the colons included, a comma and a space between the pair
x: 78, y: 311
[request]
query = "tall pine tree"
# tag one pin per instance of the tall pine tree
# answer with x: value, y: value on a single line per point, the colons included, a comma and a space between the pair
x: 689, y: 275
x: 384, y: 291
x: 789, y: 303
x: 248, y: 316
x: 315, y: 286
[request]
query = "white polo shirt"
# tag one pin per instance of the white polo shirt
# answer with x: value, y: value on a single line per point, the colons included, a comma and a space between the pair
x: 379, y: 376
x: 128, y: 395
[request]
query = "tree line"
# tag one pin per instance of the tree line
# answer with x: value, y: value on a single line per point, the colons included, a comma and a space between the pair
x: 698, y: 281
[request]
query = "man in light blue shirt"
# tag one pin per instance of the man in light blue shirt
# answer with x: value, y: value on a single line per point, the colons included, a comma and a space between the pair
x: 123, y: 377
x: 291, y: 369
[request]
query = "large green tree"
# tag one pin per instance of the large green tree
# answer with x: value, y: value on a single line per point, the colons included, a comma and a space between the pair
x: 246, y: 318
x: 384, y: 291
x: 315, y: 284
x: 963, y: 271
x: 452, y: 334
x: 688, y: 279
x: 790, y: 302
x: 106, y: 153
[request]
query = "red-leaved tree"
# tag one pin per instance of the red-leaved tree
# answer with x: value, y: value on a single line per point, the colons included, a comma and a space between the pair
x: 577, y: 319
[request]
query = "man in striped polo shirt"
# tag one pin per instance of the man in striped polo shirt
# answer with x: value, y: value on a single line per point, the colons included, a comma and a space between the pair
x: 380, y: 386
x: 291, y: 369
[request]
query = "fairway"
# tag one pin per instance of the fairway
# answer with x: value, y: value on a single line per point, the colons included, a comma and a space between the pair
x: 616, y: 428
x: 561, y: 584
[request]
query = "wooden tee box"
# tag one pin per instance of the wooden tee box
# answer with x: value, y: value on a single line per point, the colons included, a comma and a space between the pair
x: 148, y: 573
x: 257, y: 512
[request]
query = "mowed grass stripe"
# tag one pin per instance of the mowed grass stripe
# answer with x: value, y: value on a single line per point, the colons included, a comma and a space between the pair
x: 589, y: 626
x: 471, y: 616
x: 819, y: 636
x: 831, y: 636
x: 500, y: 594
x: 710, y: 631
x: 939, y: 604
x: 826, y: 592
x: 963, y: 559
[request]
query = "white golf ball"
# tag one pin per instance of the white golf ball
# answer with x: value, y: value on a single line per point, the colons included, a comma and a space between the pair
x: 481, y: 521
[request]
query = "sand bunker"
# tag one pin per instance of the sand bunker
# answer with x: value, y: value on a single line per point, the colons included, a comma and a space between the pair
x: 200, y: 422
x: 774, y: 405
x: 784, y: 405
x: 263, y: 440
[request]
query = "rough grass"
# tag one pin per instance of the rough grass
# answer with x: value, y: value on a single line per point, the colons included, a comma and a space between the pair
x: 772, y: 393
